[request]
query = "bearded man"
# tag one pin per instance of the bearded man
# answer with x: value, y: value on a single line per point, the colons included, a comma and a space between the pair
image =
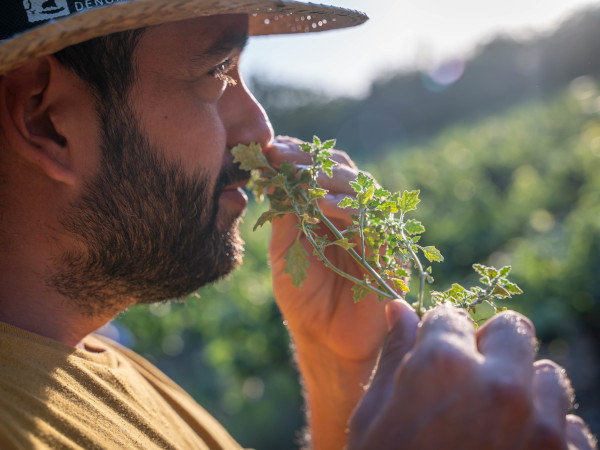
x: 118, y: 187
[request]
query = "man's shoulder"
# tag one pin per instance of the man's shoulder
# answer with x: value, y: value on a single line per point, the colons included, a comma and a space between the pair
x: 107, y: 396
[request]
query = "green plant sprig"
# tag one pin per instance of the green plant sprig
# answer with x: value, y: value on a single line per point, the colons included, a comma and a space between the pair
x: 387, y: 242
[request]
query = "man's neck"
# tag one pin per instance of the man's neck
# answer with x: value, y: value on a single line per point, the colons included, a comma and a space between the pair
x: 28, y: 303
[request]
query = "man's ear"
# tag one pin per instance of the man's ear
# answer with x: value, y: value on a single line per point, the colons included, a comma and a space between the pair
x: 31, y: 106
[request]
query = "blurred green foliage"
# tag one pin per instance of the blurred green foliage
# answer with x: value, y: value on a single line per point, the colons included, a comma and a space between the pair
x: 520, y: 189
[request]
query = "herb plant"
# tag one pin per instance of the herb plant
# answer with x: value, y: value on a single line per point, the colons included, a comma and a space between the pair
x: 381, y: 238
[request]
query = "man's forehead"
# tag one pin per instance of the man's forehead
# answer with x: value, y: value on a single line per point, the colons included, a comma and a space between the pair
x: 209, y: 36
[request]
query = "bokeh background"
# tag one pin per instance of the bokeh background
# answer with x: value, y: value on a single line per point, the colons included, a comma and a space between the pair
x: 492, y: 110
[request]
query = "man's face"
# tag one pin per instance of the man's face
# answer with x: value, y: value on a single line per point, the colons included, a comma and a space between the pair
x: 159, y: 219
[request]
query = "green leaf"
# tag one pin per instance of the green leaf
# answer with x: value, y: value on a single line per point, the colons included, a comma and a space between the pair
x: 382, y: 193
x: 249, y: 157
x: 305, y: 177
x: 492, y: 272
x: 401, y: 272
x: 409, y: 201
x: 327, y: 166
x: 373, y: 260
x: 344, y: 243
x: 512, y: 288
x: 296, y: 263
x: 500, y: 291
x: 414, y: 227
x: 329, y: 144
x: 481, y: 269
x: 388, y: 207
x: 265, y: 217
x: 315, y: 193
x: 346, y: 203
x: 316, y: 141
x: 322, y: 242
x: 359, y: 292
x: 505, y: 271
x: 363, y: 180
x: 400, y: 285
x: 357, y: 187
x: 365, y: 196
x: 306, y: 147
x: 456, y: 289
x: 278, y: 180
x: 432, y: 254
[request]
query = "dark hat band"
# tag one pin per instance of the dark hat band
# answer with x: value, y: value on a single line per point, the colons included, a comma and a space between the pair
x: 17, y: 16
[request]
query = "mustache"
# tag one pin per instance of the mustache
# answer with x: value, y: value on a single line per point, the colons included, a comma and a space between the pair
x: 231, y: 173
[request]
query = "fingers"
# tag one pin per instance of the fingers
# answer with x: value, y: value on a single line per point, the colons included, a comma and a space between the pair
x: 448, y: 324
x: 287, y: 150
x: 552, y: 397
x: 579, y: 436
x: 507, y: 341
x: 402, y: 323
x: 340, y: 181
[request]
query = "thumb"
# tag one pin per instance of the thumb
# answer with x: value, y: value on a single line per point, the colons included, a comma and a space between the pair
x: 402, y: 322
x: 402, y: 325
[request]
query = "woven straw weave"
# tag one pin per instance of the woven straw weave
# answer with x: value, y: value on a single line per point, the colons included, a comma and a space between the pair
x: 266, y: 17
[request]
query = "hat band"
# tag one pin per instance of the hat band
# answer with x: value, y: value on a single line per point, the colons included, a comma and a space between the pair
x: 17, y: 16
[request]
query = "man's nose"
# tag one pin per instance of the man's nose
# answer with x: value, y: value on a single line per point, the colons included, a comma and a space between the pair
x: 244, y: 117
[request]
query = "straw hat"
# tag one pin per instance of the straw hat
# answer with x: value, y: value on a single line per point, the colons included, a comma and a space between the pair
x: 32, y: 28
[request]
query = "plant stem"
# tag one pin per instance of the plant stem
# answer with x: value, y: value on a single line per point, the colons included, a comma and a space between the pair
x: 417, y: 261
x: 362, y: 232
x: 339, y: 271
x: 391, y: 293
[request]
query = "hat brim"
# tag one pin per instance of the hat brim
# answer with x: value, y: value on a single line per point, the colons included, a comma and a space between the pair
x: 265, y: 17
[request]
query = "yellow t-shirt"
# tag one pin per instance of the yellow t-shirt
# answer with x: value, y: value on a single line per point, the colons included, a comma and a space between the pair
x: 55, y: 396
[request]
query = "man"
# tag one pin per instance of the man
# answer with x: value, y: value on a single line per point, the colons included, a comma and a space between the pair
x: 118, y: 188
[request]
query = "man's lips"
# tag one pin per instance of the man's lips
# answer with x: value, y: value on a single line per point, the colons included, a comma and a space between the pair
x: 234, y: 194
x: 237, y: 185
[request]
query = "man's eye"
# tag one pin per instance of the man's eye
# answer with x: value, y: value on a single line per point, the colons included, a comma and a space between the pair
x: 220, y: 72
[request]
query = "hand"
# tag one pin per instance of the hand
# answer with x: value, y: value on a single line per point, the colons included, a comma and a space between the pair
x: 442, y: 385
x: 322, y: 313
x: 336, y: 342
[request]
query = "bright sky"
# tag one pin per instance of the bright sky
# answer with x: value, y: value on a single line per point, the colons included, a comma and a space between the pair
x: 400, y: 34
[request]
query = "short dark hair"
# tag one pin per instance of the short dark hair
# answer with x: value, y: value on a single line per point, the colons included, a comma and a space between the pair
x: 105, y: 63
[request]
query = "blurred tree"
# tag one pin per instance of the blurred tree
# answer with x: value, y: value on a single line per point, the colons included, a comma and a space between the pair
x: 412, y: 106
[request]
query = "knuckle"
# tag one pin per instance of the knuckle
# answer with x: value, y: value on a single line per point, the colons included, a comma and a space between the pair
x: 550, y: 373
x: 512, y: 319
x: 579, y: 434
x: 445, y: 357
x: 442, y: 311
x: 576, y: 421
x: 547, y: 365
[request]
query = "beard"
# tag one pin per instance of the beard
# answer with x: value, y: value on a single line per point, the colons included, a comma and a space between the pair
x: 147, y: 232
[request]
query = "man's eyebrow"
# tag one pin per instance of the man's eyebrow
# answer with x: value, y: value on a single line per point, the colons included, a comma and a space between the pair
x: 222, y: 47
